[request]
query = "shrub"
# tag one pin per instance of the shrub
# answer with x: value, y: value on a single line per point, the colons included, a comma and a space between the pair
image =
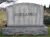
x: 46, y: 20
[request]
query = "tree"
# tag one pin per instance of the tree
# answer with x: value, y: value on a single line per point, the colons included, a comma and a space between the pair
x: 1, y: 1
x: 49, y: 6
x: 44, y: 7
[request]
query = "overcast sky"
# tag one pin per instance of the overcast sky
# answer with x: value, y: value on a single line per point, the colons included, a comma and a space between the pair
x: 41, y: 2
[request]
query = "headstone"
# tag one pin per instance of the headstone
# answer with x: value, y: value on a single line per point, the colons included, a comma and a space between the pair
x: 25, y: 18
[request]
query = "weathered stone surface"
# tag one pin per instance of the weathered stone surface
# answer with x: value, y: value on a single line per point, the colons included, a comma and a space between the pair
x: 25, y: 14
x: 24, y: 30
x: 25, y: 18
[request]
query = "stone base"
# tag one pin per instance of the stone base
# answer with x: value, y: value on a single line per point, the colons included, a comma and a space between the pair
x: 25, y: 30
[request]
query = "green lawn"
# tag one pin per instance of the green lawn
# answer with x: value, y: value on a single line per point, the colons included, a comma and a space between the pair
x: 29, y: 35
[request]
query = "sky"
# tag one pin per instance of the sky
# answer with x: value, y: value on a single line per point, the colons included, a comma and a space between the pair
x: 41, y: 2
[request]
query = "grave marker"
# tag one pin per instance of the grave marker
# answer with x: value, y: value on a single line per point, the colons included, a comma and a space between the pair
x: 25, y: 18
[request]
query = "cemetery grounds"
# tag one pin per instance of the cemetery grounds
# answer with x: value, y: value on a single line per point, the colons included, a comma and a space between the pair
x: 2, y: 18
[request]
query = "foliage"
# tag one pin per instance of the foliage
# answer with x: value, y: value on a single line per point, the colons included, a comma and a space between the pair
x: 47, y: 20
x: 3, y: 18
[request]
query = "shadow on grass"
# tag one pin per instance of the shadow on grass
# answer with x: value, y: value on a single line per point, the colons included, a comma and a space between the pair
x: 25, y: 35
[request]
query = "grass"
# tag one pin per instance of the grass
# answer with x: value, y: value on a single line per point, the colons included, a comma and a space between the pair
x: 29, y: 35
